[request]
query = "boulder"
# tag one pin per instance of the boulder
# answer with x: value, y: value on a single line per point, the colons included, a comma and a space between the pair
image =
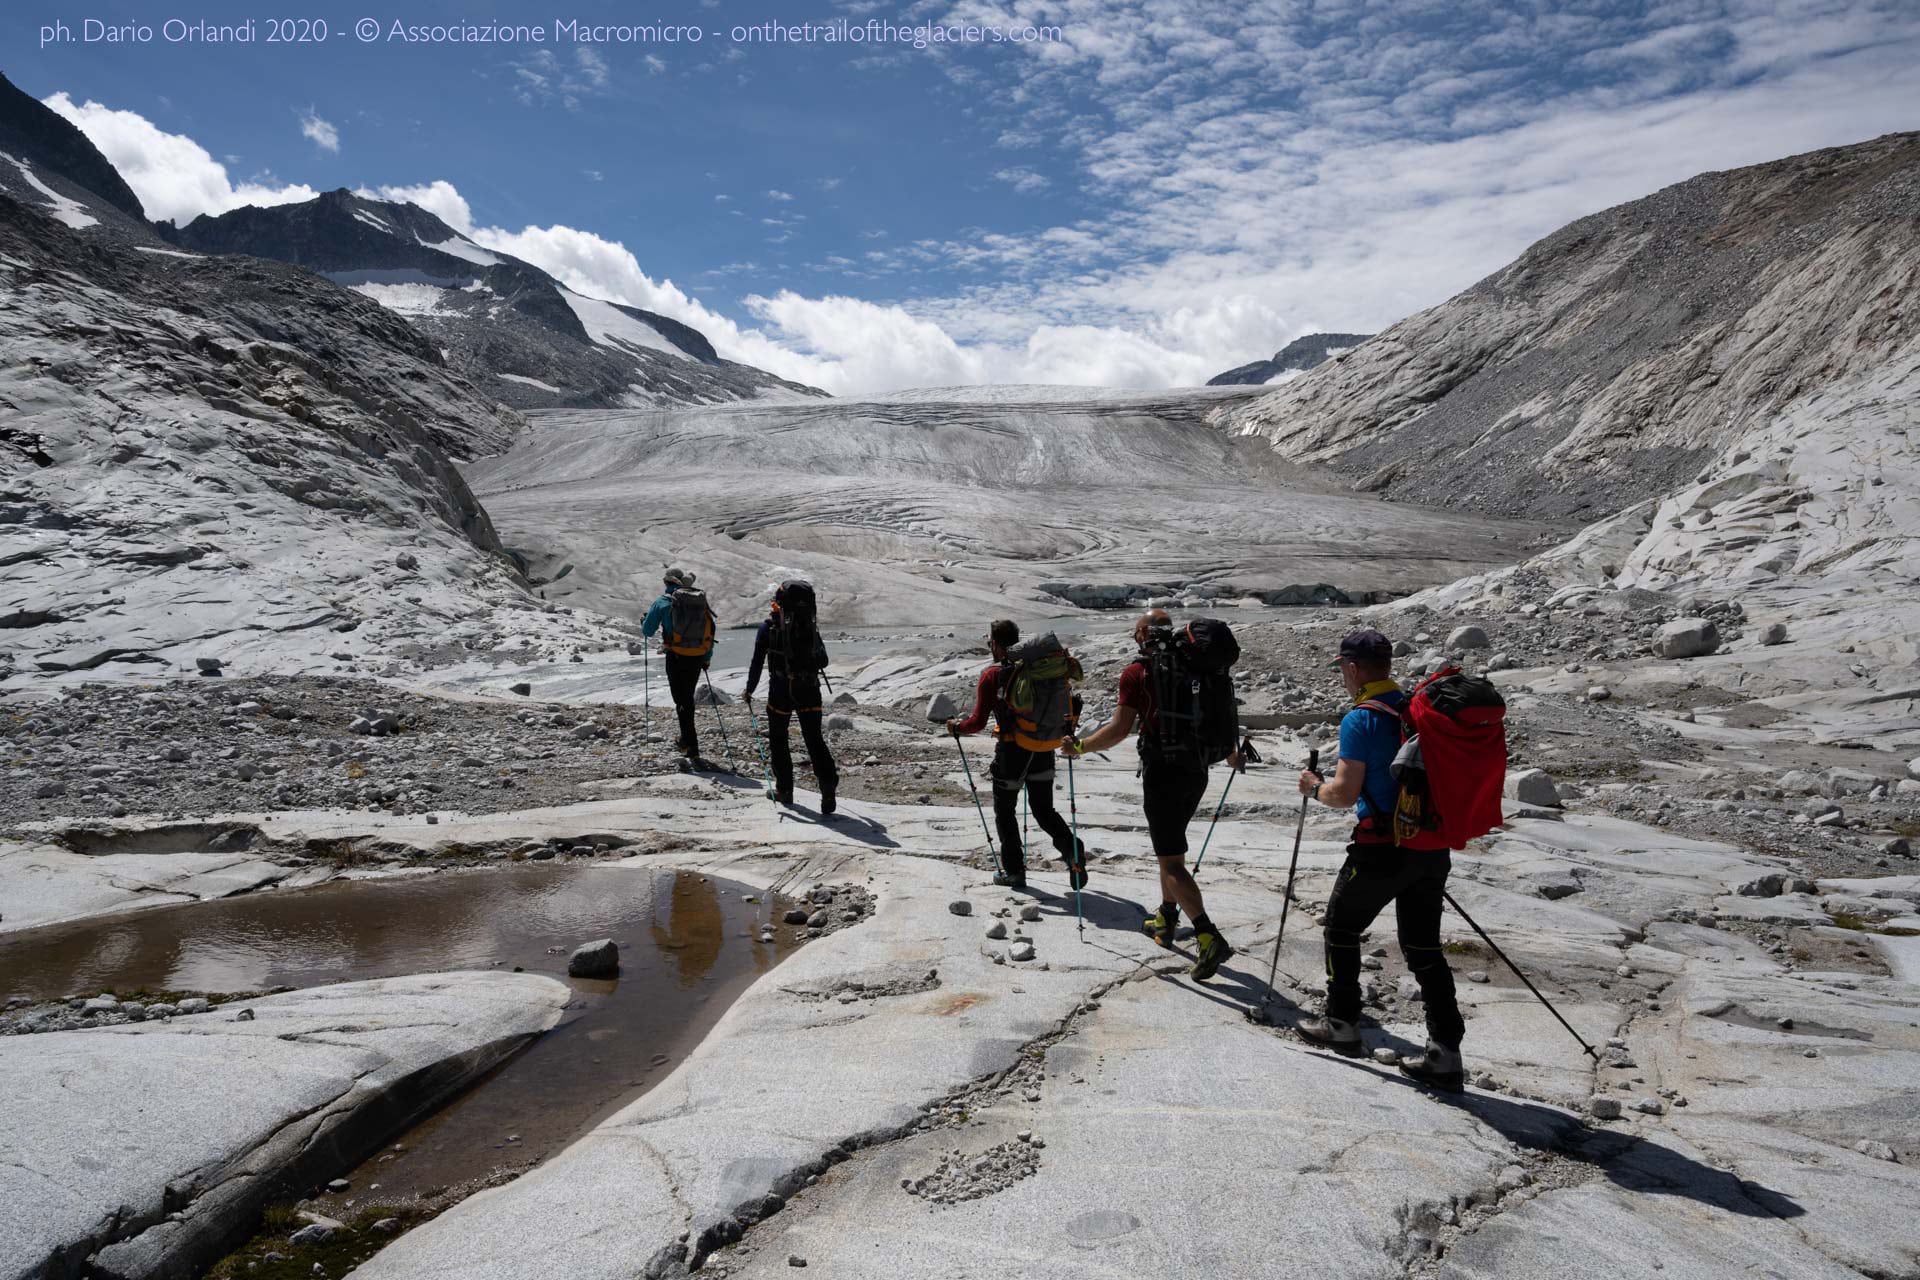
x: 209, y: 666
x: 1849, y: 782
x: 839, y: 724
x: 1913, y: 767
x: 1534, y: 787
x: 1687, y: 638
x: 523, y: 689
x: 940, y: 708
x: 1774, y: 633
x: 845, y: 699
x: 598, y: 959
x: 1467, y: 638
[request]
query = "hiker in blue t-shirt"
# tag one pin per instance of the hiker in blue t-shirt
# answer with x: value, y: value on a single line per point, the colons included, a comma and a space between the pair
x: 1378, y: 871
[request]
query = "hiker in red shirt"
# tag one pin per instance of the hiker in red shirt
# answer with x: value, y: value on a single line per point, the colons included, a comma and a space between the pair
x: 1379, y: 871
x: 1015, y: 766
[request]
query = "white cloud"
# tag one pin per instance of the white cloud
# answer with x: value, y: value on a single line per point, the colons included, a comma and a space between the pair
x: 780, y: 196
x: 439, y: 198
x: 1023, y: 179
x: 320, y: 132
x: 655, y: 64
x: 174, y: 176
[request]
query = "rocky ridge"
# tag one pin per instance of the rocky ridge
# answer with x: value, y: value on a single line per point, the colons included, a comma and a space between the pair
x: 506, y: 325
x: 1298, y: 356
x: 1615, y: 356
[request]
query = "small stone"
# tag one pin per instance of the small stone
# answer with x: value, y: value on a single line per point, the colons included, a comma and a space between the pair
x: 795, y: 1260
x: 312, y: 1233
x: 997, y: 930
x: 598, y: 959
x: 194, y: 1004
x: 940, y: 708
x: 1467, y: 638
x: 1512, y: 1178
x: 1686, y: 638
x: 1386, y: 1057
x: 338, y: 1185
x: 208, y: 666
x: 1598, y: 693
x: 523, y: 689
x: 1877, y: 1150
x: 1477, y: 975
x: 1030, y: 913
x: 960, y: 907
x: 1650, y: 1106
x: 387, y: 1226
x: 1021, y: 951
x: 794, y: 915
x: 1601, y: 1107
x: 405, y: 560
x: 1534, y: 787
x: 1774, y: 633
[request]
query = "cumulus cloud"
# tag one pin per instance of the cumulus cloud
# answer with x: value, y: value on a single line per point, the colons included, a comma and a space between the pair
x: 175, y: 177
x: 439, y: 198
x: 1023, y: 179
x: 320, y: 132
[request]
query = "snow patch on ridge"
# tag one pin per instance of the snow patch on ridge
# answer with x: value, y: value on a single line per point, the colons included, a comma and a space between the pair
x: 361, y: 215
x: 609, y: 326
x: 459, y: 248
x: 67, y: 211
x: 531, y: 382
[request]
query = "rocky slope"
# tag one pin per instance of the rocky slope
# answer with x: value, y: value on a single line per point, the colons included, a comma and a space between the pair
x: 1298, y: 356
x: 508, y: 326
x: 225, y: 457
x: 48, y: 164
x: 1617, y: 355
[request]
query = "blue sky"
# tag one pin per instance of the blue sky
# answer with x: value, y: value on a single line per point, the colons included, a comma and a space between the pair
x: 1170, y: 188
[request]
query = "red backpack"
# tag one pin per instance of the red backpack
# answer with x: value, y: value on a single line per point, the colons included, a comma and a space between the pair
x: 1452, y: 762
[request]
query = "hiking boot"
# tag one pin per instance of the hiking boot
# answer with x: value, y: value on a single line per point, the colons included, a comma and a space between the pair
x: 1076, y: 866
x: 827, y: 804
x: 1212, y: 952
x: 1163, y: 924
x: 1008, y: 880
x: 1439, y: 1068
x: 784, y: 795
x: 1331, y: 1033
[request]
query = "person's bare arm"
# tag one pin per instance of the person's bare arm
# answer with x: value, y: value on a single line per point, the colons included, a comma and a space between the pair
x: 1111, y: 734
x: 1349, y: 777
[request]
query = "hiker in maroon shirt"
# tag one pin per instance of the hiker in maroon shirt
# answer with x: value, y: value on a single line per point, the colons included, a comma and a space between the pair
x: 1170, y: 794
x: 1016, y: 766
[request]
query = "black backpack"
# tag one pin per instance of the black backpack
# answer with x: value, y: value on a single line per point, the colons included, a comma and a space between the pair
x: 793, y: 643
x: 1195, y: 718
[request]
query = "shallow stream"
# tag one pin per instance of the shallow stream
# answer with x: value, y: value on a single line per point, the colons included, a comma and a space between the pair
x: 689, y: 945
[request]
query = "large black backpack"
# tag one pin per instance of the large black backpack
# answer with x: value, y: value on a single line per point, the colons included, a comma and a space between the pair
x: 1195, y: 718
x: 793, y: 643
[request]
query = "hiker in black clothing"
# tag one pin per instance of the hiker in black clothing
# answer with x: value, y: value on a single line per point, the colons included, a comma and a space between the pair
x: 788, y: 645
x: 1379, y: 871
x: 1170, y: 794
x: 685, y: 623
x: 1019, y: 760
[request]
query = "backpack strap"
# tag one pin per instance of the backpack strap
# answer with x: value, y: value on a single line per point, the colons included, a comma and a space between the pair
x: 1405, y: 721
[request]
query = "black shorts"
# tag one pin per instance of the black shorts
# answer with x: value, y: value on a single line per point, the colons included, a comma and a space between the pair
x: 1171, y: 795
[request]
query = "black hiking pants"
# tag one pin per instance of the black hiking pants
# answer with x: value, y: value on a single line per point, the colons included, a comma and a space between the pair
x: 1015, y: 767
x: 1413, y: 880
x: 1170, y: 795
x: 825, y: 775
x: 683, y: 678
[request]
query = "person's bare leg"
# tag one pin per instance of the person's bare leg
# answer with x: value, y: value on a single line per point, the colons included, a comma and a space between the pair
x: 1178, y: 887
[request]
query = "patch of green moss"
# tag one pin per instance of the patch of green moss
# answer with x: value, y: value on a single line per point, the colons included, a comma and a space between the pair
x: 272, y: 1255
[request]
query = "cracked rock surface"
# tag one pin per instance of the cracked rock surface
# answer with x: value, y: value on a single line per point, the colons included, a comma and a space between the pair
x: 135, y: 1150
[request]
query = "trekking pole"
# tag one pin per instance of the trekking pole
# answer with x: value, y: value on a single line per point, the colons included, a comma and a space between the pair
x: 720, y: 720
x: 1273, y: 970
x: 1073, y: 808
x: 766, y: 770
x: 1523, y: 977
x: 991, y: 847
x: 646, y: 684
x: 1219, y: 807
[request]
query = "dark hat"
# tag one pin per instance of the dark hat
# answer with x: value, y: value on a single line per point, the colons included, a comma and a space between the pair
x: 1364, y: 646
x: 679, y: 577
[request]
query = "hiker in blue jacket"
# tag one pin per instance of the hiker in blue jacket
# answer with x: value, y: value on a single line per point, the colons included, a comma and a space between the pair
x: 688, y: 641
